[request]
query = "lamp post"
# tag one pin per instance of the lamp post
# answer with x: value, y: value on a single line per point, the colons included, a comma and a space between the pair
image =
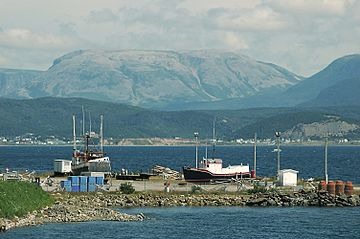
x: 196, y: 135
x: 277, y: 134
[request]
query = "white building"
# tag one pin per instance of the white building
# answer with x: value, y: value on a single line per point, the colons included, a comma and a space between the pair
x: 288, y: 177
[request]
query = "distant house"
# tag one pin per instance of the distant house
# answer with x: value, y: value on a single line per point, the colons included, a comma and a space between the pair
x: 288, y: 177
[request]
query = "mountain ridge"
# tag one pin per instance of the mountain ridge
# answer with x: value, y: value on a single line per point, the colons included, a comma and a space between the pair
x: 155, y: 79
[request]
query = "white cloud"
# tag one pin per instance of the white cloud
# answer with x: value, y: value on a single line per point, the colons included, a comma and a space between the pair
x: 234, y: 41
x: 103, y: 15
x: 303, y: 35
x: 259, y: 19
x: 310, y: 7
x: 26, y: 39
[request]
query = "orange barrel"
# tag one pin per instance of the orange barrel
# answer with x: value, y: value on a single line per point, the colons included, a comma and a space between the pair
x: 322, y: 185
x: 349, y: 188
x: 339, y: 187
x: 252, y: 173
x: 331, y: 187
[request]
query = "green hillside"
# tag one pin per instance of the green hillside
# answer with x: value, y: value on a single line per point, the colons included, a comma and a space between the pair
x: 53, y: 116
x: 19, y: 198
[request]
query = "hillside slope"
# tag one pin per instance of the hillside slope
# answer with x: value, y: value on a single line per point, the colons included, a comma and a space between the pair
x: 53, y: 116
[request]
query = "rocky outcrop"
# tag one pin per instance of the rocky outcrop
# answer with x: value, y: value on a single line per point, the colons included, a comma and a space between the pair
x: 303, y: 198
x: 97, y: 206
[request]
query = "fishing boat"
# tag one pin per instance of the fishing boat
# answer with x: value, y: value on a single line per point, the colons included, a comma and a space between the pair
x: 211, y: 170
x: 90, y: 158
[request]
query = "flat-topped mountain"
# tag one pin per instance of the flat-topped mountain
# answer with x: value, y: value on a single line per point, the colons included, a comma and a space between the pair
x: 153, y: 79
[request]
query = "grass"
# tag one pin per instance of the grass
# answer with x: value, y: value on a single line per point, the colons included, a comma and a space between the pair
x: 18, y: 198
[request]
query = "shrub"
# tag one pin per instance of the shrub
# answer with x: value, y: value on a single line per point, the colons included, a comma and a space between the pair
x: 196, y: 189
x: 257, y: 189
x: 127, y: 188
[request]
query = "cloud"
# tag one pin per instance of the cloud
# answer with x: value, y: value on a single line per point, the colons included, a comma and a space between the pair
x: 26, y: 39
x: 302, y: 35
x: 310, y: 7
x: 3, y: 60
x: 259, y: 19
x: 101, y: 16
x: 234, y: 41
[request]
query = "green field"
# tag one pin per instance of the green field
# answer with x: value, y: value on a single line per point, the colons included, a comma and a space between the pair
x: 19, y: 198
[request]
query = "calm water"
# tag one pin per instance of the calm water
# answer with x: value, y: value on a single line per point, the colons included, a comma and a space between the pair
x: 210, y: 222
x: 206, y: 222
x: 344, y: 162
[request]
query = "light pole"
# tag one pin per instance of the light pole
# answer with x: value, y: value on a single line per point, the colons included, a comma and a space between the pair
x: 277, y: 134
x: 196, y: 135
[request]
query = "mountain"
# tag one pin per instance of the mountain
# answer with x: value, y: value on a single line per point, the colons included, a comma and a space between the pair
x: 345, y: 92
x: 340, y: 72
x: 337, y: 84
x: 53, y: 117
x: 154, y: 79
x: 15, y: 83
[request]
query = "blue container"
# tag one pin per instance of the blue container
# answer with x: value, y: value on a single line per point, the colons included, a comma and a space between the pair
x: 91, y: 188
x: 65, y: 183
x: 91, y: 180
x: 83, y: 188
x: 75, y: 189
x: 100, y: 180
x: 83, y: 180
x: 67, y: 189
x: 74, y: 180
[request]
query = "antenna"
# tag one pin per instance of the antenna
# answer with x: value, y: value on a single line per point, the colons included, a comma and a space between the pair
x: 83, y: 119
x: 101, y: 133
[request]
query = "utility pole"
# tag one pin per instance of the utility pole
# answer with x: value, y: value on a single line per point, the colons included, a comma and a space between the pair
x: 277, y: 134
x: 326, y: 156
x: 196, y: 135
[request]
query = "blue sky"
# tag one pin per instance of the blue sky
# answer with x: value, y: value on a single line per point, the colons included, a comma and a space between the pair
x: 301, y: 35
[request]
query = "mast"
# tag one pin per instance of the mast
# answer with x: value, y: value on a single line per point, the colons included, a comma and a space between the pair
x: 90, y: 122
x: 277, y: 134
x: 326, y: 158
x: 74, y: 134
x: 101, y: 133
x: 206, y: 149
x: 196, y: 135
x: 83, y: 120
x: 255, y: 138
x: 214, y: 139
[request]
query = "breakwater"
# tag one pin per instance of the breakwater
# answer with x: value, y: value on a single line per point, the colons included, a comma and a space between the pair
x: 98, y: 206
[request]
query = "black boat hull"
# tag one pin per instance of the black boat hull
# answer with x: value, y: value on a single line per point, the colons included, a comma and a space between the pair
x: 202, y: 175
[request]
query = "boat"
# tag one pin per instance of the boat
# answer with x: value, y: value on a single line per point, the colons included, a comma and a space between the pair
x: 211, y: 170
x: 90, y: 158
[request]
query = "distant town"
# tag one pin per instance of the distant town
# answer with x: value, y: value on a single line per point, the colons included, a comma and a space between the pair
x: 33, y: 139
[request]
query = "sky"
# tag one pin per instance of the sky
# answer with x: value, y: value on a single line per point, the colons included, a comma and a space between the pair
x: 301, y: 35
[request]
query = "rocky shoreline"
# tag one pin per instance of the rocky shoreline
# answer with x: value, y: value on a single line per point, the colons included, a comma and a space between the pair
x: 98, y: 206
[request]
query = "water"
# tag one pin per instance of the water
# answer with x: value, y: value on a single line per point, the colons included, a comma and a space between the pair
x: 211, y: 222
x: 343, y: 161
x: 205, y: 222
